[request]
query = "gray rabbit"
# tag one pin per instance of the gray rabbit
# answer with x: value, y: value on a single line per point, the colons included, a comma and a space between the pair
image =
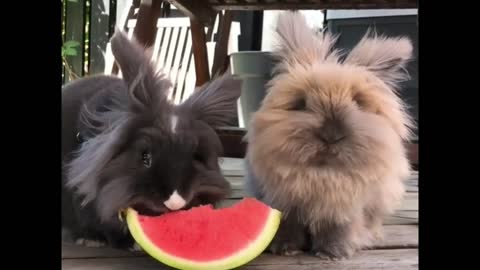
x: 125, y: 145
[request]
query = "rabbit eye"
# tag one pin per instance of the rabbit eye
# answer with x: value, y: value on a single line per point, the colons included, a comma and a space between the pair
x: 198, y: 157
x: 299, y: 105
x: 359, y: 100
x: 147, y: 159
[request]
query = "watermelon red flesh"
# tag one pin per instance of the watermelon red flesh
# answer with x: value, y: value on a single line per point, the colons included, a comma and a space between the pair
x: 206, y: 234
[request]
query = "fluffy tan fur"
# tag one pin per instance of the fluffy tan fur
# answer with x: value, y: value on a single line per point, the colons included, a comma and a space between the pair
x: 358, y: 180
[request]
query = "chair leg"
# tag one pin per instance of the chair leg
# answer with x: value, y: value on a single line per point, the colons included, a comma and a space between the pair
x: 220, y: 61
x: 146, y: 26
x: 199, y: 47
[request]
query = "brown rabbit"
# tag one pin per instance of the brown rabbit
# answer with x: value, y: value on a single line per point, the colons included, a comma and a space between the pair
x: 326, y: 146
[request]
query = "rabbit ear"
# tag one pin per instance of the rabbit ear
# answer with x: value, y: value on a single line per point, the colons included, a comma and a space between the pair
x: 215, y: 103
x: 384, y: 56
x: 146, y: 88
x: 298, y: 43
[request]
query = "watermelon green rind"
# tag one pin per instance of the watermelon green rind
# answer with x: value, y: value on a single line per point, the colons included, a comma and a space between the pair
x: 240, y: 258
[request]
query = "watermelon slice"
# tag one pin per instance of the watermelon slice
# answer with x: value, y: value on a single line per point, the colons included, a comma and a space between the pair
x: 204, y: 237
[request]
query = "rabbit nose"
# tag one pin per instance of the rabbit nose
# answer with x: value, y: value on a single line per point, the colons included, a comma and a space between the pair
x: 175, y: 201
x: 332, y: 132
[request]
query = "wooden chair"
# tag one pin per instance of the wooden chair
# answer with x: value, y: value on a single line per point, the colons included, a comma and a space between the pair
x: 172, y: 52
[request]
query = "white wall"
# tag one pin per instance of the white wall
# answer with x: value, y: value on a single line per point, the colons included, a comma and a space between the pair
x: 314, y: 19
x: 362, y: 13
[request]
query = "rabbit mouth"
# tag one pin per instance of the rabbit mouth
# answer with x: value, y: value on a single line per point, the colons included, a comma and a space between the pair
x: 327, y: 156
x: 150, y: 208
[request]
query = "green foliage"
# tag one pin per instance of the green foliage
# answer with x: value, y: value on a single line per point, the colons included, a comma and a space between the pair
x: 69, y: 48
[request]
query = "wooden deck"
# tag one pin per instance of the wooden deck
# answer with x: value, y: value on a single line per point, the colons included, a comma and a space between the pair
x: 399, y: 250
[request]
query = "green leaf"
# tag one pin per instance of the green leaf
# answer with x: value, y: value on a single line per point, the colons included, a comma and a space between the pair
x: 70, y: 52
x: 73, y: 1
x: 71, y: 43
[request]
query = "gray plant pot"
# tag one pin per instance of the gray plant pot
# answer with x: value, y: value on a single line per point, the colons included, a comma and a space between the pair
x: 254, y: 69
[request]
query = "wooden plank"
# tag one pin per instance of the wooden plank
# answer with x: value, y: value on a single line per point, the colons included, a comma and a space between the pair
x: 396, y: 236
x: 72, y: 251
x: 411, y: 188
x: 199, y: 47
x: 367, y: 259
x: 410, y: 202
x: 164, y: 48
x: 179, y: 48
x: 197, y: 10
x: 109, y: 60
x: 146, y: 26
x: 171, y: 50
x: 190, y: 78
x: 374, y: 259
x: 237, y: 182
x: 399, y: 236
x: 156, y: 46
x: 296, y: 5
x: 232, y: 164
x: 125, y: 11
x: 407, y: 214
x: 112, y: 16
x: 400, y: 217
x: 183, y: 73
x: 75, y: 30
x: 99, y: 34
x: 171, y: 45
x: 392, y: 259
x: 131, y: 30
x: 221, y: 46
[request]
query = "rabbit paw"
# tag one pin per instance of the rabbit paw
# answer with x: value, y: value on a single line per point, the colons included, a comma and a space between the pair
x: 285, y: 247
x: 291, y: 238
x: 89, y: 243
x: 334, y: 252
x: 333, y: 243
x: 135, y: 248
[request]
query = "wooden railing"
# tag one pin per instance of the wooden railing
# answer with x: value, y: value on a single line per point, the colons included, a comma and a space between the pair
x: 87, y: 26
